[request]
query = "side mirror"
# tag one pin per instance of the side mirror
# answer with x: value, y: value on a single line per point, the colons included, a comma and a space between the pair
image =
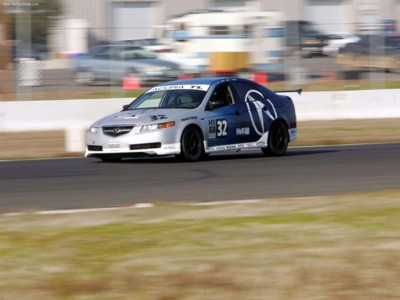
x: 125, y: 107
x: 217, y: 103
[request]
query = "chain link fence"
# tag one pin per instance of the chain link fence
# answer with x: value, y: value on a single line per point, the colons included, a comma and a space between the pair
x: 29, y: 72
x: 374, y: 64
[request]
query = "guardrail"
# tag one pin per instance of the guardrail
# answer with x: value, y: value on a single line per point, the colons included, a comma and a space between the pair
x: 75, y: 116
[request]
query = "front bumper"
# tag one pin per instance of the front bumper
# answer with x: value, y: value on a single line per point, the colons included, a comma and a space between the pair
x: 156, y: 143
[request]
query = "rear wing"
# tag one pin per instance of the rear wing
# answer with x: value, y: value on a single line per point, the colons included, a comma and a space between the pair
x: 298, y: 91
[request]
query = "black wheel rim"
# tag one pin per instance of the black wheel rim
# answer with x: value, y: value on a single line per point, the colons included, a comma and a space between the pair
x: 279, y: 140
x: 192, y: 143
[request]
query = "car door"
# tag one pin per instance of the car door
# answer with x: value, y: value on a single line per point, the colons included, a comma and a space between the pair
x: 119, y: 63
x: 101, y: 63
x: 223, y: 117
x: 258, y: 112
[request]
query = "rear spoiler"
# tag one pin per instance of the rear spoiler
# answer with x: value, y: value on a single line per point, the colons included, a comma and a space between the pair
x: 298, y: 91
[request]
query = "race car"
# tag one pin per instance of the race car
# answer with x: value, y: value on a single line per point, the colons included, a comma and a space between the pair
x: 195, y: 117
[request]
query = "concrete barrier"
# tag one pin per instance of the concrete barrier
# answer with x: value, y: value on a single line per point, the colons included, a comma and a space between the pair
x: 55, y: 115
x: 72, y: 116
x: 365, y: 104
x: 75, y: 116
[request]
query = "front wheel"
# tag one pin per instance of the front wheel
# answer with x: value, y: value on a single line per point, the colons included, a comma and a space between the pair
x: 278, y: 140
x: 192, y: 147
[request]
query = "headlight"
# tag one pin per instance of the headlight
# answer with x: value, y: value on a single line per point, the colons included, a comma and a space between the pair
x: 93, y: 129
x: 152, y: 127
x: 149, y: 127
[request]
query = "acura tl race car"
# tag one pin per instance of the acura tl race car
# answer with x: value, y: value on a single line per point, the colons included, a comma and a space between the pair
x: 194, y: 117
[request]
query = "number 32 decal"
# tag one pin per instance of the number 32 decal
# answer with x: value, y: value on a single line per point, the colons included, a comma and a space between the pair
x: 222, y: 128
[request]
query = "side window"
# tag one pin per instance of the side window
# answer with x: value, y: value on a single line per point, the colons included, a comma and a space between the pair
x: 105, y: 53
x: 222, y: 96
x: 115, y: 53
x: 334, y: 37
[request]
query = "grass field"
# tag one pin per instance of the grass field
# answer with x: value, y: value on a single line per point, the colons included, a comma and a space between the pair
x: 339, y: 247
x: 323, y: 248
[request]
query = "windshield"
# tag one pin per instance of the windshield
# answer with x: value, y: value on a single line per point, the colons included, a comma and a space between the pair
x: 169, y: 99
x: 309, y: 29
x: 137, y: 53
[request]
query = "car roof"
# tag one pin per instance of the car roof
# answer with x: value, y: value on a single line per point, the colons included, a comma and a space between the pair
x: 125, y: 46
x: 208, y: 80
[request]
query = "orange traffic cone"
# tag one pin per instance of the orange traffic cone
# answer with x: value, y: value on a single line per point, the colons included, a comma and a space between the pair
x: 260, y: 77
x: 131, y: 83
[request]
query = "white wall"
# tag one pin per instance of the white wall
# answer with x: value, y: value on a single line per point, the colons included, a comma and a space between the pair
x: 55, y: 115
x: 61, y: 114
x: 366, y: 104
x: 75, y: 116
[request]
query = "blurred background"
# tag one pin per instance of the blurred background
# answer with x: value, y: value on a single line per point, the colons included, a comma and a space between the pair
x: 68, y: 49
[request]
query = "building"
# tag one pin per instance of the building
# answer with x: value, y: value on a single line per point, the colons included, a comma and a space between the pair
x: 113, y: 20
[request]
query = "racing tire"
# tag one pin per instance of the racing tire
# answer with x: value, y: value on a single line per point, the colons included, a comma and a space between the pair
x: 192, y: 146
x: 278, y: 140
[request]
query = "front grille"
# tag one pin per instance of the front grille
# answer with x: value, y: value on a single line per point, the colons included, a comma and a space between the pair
x: 116, y: 130
x: 95, y: 148
x: 145, y: 146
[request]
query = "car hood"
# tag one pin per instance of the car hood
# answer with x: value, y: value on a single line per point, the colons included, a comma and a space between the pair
x: 144, y: 116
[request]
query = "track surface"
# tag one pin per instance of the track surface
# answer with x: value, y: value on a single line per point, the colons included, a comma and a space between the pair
x: 88, y: 183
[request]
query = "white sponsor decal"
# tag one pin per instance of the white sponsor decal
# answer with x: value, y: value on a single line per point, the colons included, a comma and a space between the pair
x: 217, y: 128
x: 243, y: 131
x: 261, y: 110
x: 293, y: 133
x: 222, y: 128
x: 212, y: 129
x: 235, y: 147
x: 199, y: 87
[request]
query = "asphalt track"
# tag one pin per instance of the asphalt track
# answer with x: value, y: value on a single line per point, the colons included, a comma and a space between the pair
x: 74, y: 183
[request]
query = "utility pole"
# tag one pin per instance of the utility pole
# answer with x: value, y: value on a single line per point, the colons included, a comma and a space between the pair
x: 6, y: 67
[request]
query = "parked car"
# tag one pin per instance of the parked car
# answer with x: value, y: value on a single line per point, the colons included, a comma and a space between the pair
x: 33, y: 51
x: 194, y: 117
x: 339, y: 40
x: 115, y: 62
x: 149, y: 44
x: 372, y: 51
x: 304, y: 37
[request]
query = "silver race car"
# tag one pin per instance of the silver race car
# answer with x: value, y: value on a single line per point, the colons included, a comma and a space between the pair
x: 194, y: 117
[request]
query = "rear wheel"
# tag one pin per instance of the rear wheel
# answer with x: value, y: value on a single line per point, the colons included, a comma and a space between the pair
x: 278, y: 140
x: 192, y: 147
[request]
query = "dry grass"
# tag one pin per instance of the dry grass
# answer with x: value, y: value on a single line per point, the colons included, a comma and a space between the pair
x: 342, y: 247
x: 51, y: 144
x: 32, y: 144
x: 348, y: 132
